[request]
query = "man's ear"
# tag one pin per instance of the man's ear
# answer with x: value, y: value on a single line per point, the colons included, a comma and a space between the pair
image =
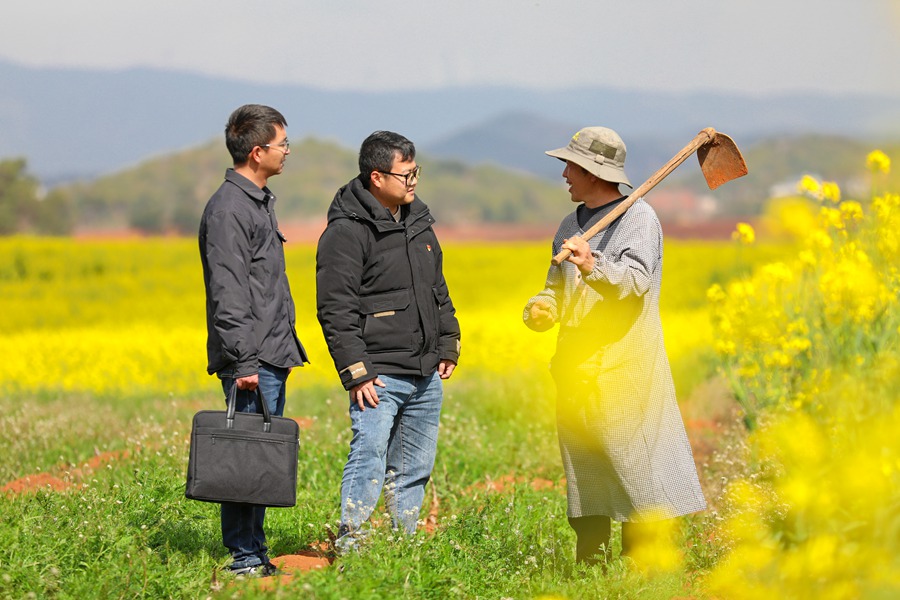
x: 253, y: 157
x: 376, y: 179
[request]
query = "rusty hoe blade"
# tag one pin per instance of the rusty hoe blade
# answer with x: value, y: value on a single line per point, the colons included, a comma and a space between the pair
x: 720, y: 160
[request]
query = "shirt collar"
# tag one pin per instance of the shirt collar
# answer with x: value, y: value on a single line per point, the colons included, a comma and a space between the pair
x: 251, y: 189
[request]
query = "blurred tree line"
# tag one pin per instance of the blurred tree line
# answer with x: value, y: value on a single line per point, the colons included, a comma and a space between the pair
x: 166, y: 194
x: 26, y: 208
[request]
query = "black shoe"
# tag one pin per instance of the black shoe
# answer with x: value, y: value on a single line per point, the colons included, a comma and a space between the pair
x: 263, y: 570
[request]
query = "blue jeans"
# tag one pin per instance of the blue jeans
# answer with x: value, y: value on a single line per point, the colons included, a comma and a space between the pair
x: 242, y: 524
x: 393, y: 447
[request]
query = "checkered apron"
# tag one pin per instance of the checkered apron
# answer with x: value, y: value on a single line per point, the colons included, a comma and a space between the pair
x: 624, y: 448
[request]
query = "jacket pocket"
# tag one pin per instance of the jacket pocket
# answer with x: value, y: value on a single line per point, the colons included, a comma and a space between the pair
x: 386, y: 321
x: 439, y: 298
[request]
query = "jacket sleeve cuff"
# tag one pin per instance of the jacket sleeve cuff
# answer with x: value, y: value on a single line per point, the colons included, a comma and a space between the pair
x: 357, y: 373
x: 598, y: 273
x: 246, y: 368
x: 449, y: 350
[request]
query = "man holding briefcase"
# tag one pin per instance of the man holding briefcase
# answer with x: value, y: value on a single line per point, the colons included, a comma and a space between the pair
x: 252, y: 341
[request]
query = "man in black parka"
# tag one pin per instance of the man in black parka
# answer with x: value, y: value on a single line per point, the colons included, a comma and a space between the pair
x: 391, y: 329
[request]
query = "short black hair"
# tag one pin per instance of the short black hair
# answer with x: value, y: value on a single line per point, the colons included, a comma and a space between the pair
x: 249, y: 126
x: 378, y: 151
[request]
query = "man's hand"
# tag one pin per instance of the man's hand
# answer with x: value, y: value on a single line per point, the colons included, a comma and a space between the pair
x: 540, y: 315
x: 445, y: 368
x: 581, y: 255
x: 365, y: 392
x: 250, y: 382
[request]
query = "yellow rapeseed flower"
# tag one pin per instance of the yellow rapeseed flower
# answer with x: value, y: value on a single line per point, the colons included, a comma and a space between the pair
x: 878, y: 162
x: 778, y: 272
x: 777, y: 358
x: 749, y: 370
x: 807, y: 257
x: 810, y: 186
x: 744, y: 234
x: 741, y: 289
x: 851, y: 211
x: 886, y: 206
x: 798, y: 490
x: 798, y: 326
x: 820, y: 240
x: 798, y: 345
x: 831, y: 191
x: 852, y: 290
x: 831, y: 218
x: 655, y: 549
x: 716, y: 294
x: 725, y: 347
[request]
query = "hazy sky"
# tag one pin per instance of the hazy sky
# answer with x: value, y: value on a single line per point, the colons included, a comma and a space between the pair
x: 757, y: 46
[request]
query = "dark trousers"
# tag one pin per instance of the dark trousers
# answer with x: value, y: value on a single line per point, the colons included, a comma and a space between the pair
x: 594, y: 535
x: 242, y: 524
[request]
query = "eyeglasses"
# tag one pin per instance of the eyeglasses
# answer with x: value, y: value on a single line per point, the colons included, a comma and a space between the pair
x: 284, y: 146
x: 407, y: 177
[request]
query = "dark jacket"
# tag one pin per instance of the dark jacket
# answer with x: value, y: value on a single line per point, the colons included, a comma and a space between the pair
x: 249, y: 309
x: 382, y: 300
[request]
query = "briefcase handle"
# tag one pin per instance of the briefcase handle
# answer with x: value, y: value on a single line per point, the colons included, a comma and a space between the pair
x: 232, y: 407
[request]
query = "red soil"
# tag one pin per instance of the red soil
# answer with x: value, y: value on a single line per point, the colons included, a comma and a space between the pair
x: 504, y: 482
x: 290, y: 565
x: 61, y: 478
x: 33, y: 483
x: 305, y: 560
x: 304, y: 422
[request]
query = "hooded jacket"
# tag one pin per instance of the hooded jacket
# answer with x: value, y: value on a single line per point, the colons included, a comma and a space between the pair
x: 381, y: 296
x: 249, y: 310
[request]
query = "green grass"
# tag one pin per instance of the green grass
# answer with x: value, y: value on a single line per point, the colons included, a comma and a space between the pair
x: 126, y: 530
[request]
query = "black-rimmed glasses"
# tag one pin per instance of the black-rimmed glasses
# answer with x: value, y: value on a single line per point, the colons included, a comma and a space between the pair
x: 407, y: 177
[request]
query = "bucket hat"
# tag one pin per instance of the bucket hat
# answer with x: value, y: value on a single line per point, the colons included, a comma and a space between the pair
x: 598, y: 150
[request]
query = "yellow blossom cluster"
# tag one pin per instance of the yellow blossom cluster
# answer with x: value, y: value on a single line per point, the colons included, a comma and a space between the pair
x: 744, y: 233
x: 886, y: 209
x: 820, y: 519
x: 823, y: 191
x: 842, y: 285
x: 878, y: 162
x: 810, y: 347
x: 654, y: 547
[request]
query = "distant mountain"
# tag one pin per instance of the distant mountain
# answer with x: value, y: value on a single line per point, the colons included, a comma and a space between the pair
x: 518, y: 140
x: 76, y: 123
x: 776, y: 162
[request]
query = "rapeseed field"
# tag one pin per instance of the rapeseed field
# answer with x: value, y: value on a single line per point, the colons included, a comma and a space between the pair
x: 785, y: 359
x: 127, y: 317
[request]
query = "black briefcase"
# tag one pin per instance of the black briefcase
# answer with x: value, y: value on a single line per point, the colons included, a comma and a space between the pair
x: 243, y: 457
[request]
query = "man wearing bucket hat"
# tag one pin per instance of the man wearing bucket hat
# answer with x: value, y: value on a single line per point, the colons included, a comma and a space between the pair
x: 624, y: 448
